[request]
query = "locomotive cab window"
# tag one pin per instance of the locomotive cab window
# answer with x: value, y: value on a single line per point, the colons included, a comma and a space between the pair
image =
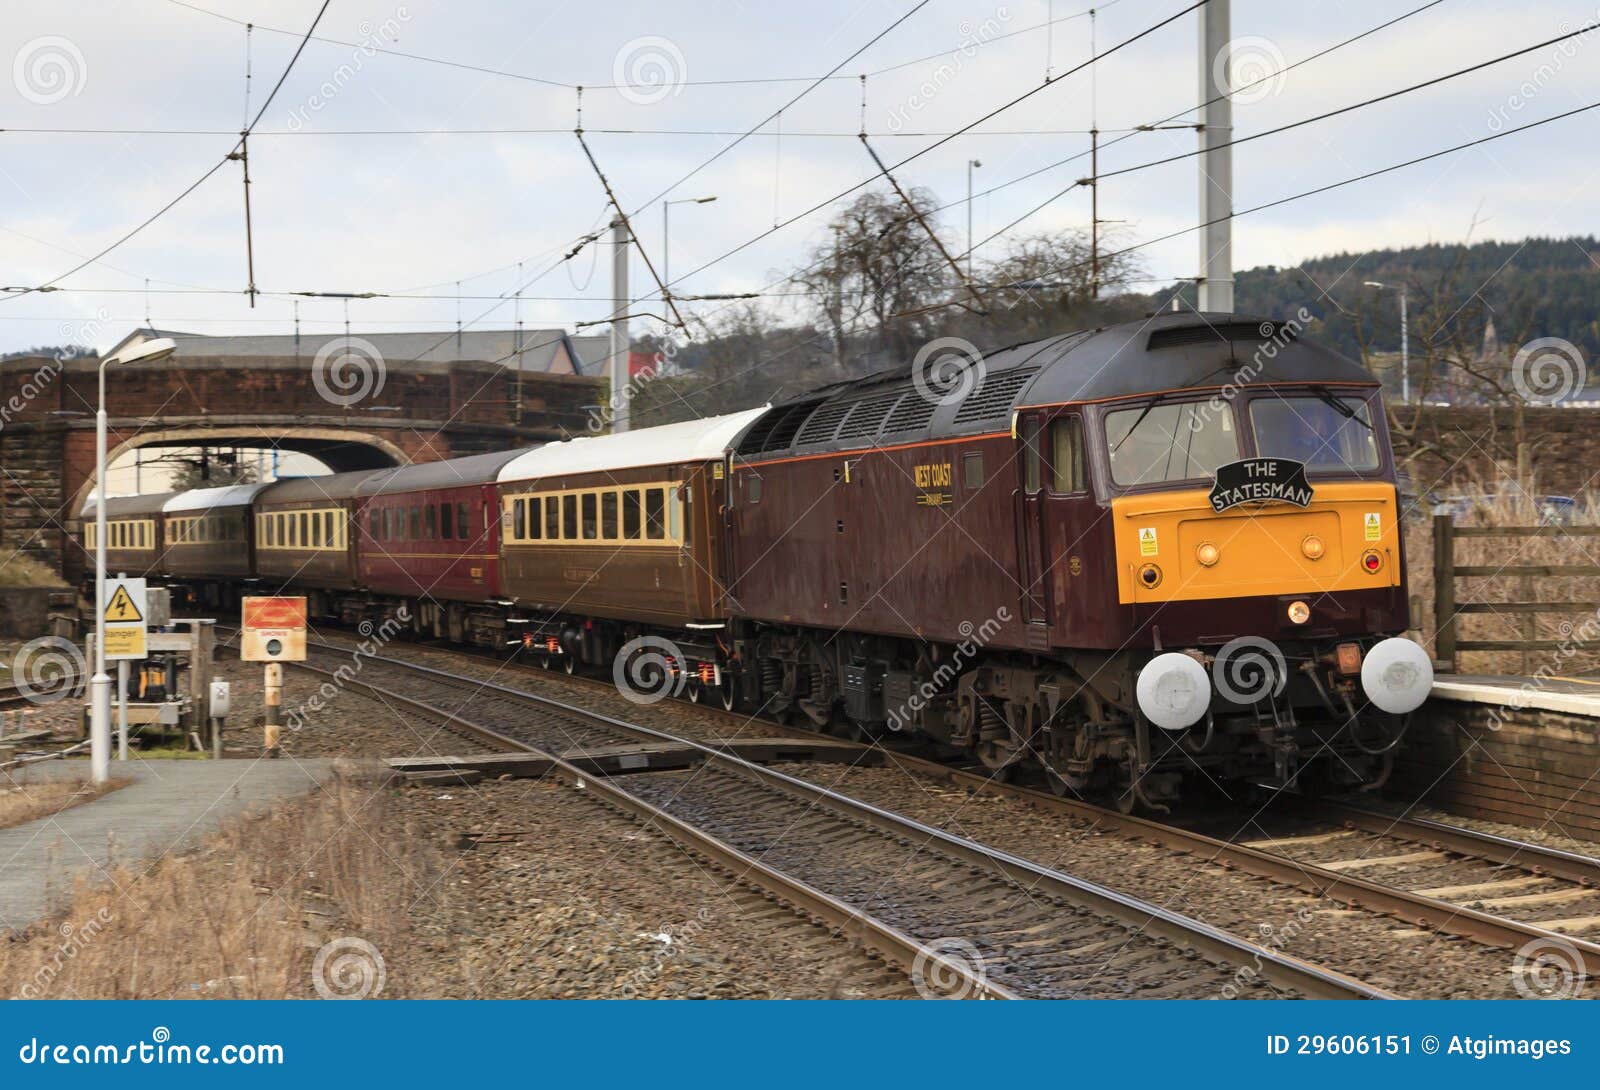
x: 1032, y: 452
x: 1158, y: 442
x: 1330, y: 435
x: 1068, y: 473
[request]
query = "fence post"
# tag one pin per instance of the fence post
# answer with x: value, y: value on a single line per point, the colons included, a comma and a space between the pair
x: 1444, y: 591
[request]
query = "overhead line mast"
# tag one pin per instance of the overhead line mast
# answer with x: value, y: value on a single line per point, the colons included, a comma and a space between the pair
x: 1216, y: 159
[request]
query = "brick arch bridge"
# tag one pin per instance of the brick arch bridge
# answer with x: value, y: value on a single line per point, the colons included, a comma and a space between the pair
x: 424, y: 411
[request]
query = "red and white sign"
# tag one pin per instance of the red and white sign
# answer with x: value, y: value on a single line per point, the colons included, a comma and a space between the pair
x: 274, y: 630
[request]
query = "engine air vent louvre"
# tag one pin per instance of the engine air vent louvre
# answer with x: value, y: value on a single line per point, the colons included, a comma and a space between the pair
x: 1224, y: 333
x: 819, y: 428
x: 776, y: 430
x: 867, y: 419
x: 995, y: 395
x: 912, y: 414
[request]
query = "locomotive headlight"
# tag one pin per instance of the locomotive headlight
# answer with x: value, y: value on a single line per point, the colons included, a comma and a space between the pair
x: 1299, y: 613
x: 1312, y: 546
x: 1173, y: 691
x: 1397, y: 675
x: 1207, y: 554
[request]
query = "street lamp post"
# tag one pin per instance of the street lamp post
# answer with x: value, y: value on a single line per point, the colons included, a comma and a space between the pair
x: 971, y: 164
x: 666, y: 264
x: 1405, y: 342
x: 100, y: 685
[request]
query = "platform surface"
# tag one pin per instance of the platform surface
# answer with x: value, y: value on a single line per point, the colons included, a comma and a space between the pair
x: 1573, y: 695
x: 168, y: 805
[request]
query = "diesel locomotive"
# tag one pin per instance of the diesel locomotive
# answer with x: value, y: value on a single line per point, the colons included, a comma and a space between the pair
x: 1126, y: 557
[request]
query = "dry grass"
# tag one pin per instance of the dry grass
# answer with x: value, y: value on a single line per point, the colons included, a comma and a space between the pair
x: 1579, y: 628
x: 17, y: 569
x: 245, y: 916
x: 22, y: 802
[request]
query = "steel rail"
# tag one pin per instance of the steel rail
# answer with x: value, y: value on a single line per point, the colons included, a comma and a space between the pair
x: 882, y: 939
x: 1209, y: 942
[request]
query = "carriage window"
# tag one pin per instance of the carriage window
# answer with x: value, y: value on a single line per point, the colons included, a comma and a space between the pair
x: 972, y: 470
x: 630, y: 514
x: 569, y: 518
x: 461, y: 521
x: 1177, y: 442
x: 447, y: 525
x: 315, y: 540
x: 535, y: 530
x: 552, y: 518
x: 328, y: 533
x: 1068, y: 473
x: 591, y: 522
x: 655, y: 523
x: 675, y: 501
x: 608, y: 515
x: 430, y: 522
x: 1330, y: 434
x: 519, y: 518
x: 414, y: 524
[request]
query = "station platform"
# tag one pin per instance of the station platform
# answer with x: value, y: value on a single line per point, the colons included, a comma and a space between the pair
x: 1523, y: 751
x: 167, y: 806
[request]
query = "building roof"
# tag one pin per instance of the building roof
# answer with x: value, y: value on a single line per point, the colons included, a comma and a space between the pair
x: 548, y: 351
x: 1165, y: 353
x: 703, y: 440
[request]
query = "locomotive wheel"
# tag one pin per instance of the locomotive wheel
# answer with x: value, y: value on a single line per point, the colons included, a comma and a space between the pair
x: 695, y: 692
x: 569, y: 663
x: 1059, y: 787
x: 730, y: 695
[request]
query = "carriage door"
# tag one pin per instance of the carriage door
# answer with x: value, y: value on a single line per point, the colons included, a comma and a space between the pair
x: 1030, y: 526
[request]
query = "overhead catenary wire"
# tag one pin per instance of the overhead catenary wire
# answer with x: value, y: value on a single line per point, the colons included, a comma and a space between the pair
x: 599, y: 85
x: 1587, y: 28
x: 198, y: 182
x: 1140, y: 35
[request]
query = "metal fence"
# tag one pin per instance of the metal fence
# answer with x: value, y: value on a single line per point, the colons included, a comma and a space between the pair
x: 1448, y: 608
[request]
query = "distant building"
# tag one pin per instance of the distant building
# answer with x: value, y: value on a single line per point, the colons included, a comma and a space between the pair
x: 536, y: 351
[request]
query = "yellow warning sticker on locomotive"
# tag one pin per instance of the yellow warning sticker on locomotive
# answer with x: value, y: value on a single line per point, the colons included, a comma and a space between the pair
x: 1147, y: 541
x: 1374, y: 526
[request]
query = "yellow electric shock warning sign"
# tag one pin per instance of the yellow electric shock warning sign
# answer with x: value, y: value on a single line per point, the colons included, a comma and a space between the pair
x: 123, y: 614
x: 1374, y: 526
x: 1147, y: 541
x: 121, y: 608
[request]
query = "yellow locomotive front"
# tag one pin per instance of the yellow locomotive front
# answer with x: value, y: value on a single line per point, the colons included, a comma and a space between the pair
x: 1259, y: 566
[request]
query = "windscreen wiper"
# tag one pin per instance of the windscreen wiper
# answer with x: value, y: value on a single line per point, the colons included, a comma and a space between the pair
x: 1151, y: 404
x: 1325, y: 396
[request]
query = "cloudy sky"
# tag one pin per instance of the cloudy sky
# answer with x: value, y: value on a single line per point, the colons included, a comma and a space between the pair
x: 368, y: 176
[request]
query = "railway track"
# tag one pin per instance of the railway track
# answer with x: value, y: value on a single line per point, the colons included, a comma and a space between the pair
x: 987, y: 922
x: 1498, y: 892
